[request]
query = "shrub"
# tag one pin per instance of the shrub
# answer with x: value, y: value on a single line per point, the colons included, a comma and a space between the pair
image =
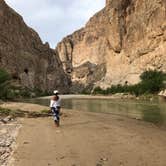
x: 4, y: 76
x: 7, y: 91
x: 152, y: 81
x: 98, y: 90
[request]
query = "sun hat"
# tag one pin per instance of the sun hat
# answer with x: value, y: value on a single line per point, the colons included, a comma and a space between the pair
x: 56, y: 92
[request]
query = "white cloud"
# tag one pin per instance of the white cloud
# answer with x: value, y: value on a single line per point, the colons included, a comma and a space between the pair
x: 54, y: 19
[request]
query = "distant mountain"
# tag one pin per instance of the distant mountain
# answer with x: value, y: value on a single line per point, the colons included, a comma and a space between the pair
x: 118, y: 43
x: 30, y: 62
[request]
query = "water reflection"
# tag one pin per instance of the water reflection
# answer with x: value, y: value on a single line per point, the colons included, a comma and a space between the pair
x: 147, y: 111
x: 153, y: 114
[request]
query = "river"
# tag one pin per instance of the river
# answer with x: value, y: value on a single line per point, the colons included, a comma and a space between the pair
x: 150, y: 111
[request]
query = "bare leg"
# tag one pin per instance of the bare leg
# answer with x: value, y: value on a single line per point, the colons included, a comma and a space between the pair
x: 56, y: 123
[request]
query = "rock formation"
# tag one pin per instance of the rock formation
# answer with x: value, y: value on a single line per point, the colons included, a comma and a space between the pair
x: 31, y: 63
x: 118, y: 43
x: 162, y: 93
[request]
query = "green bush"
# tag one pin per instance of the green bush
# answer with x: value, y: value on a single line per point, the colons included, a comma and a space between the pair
x: 98, y: 90
x: 152, y: 82
x: 9, y: 92
x: 4, y: 76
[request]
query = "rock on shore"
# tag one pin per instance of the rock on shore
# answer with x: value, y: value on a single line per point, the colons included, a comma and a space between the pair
x: 163, y: 93
x: 8, y: 133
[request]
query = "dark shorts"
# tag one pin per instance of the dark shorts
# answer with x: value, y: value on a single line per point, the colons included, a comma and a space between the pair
x: 56, y: 114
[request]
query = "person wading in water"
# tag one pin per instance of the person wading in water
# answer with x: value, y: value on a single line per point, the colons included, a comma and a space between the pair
x: 55, y: 105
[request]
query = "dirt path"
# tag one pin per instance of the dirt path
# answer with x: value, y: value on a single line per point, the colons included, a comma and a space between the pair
x: 89, y: 139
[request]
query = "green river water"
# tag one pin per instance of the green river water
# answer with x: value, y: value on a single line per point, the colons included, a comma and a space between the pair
x: 150, y: 111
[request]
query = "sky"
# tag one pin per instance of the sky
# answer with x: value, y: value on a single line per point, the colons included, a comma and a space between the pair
x: 55, y: 19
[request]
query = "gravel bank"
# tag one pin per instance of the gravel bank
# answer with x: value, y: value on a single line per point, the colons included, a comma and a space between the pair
x: 8, y: 132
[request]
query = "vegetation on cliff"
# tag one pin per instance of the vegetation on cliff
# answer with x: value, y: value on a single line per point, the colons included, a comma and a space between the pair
x: 30, y: 62
x: 8, y: 91
x: 4, y: 84
x: 152, y: 82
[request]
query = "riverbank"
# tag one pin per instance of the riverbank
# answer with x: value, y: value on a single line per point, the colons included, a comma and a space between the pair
x: 10, y: 124
x: 88, y: 139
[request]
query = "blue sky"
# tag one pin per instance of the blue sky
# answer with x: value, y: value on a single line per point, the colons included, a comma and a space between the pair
x: 54, y: 19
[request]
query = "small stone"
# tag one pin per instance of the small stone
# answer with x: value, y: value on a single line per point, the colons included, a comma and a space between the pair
x: 5, y: 156
x: 2, y: 151
x: 3, y: 131
x: 6, y: 120
x: 104, y: 159
x: 26, y: 142
x: 121, y: 164
x: 3, y: 121
x: 62, y: 157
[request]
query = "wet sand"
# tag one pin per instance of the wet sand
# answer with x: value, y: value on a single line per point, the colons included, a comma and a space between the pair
x: 89, y: 139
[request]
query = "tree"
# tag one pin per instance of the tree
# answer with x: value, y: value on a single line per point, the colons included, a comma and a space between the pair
x: 152, y: 81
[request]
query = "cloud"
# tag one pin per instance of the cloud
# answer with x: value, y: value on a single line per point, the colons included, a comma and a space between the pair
x: 54, y: 19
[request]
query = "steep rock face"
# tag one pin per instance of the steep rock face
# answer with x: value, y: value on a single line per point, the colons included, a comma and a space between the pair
x: 127, y: 37
x: 31, y: 63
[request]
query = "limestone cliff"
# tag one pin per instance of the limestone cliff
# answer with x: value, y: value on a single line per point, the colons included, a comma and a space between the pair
x: 125, y: 38
x: 31, y: 63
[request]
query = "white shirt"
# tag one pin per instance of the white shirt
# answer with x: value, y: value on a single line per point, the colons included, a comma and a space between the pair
x: 55, y: 104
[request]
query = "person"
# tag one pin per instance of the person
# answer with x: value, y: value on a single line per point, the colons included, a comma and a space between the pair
x: 55, y: 105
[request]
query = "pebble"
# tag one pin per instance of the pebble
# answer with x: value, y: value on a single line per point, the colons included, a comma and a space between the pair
x: 26, y: 142
x: 104, y: 159
x: 3, y: 131
x: 6, y: 119
x: 2, y: 151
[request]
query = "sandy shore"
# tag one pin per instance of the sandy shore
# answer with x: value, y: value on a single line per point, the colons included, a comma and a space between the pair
x: 23, y: 106
x: 89, y: 139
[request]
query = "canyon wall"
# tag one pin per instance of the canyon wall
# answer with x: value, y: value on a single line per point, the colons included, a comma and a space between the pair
x: 31, y: 63
x: 117, y: 44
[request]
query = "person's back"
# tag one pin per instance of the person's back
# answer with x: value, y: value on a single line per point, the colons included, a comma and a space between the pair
x: 55, y: 101
x: 55, y: 105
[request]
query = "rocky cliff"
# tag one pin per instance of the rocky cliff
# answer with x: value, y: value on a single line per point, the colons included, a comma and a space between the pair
x: 118, y: 43
x: 31, y: 63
